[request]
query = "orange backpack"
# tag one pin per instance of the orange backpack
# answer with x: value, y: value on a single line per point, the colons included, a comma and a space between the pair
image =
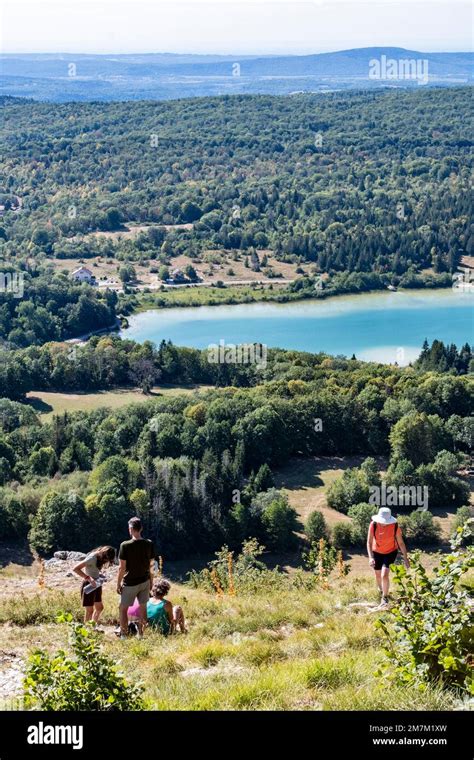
x: 385, y: 538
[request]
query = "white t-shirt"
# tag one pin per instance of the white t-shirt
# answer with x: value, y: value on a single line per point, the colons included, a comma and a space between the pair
x: 91, y: 565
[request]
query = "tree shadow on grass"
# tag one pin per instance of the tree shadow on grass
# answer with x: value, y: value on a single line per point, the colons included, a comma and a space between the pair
x: 40, y: 406
x: 305, y: 472
x: 16, y: 553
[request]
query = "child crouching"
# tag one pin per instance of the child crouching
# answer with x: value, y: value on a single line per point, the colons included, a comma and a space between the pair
x: 160, y: 613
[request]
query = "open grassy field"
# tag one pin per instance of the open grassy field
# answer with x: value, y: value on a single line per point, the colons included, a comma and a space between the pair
x: 48, y: 404
x: 272, y: 650
x: 306, y: 481
x: 208, y: 296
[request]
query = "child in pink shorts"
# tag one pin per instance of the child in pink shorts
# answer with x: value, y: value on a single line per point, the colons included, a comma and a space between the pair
x: 133, y: 613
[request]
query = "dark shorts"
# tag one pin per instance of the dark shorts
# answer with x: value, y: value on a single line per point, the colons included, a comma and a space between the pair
x: 95, y: 596
x: 384, y: 560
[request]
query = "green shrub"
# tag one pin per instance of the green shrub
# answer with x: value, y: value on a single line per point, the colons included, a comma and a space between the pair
x: 354, y: 486
x: 279, y: 521
x: 316, y: 527
x: 362, y: 516
x: 463, y: 514
x: 43, y: 461
x: 14, y: 518
x: 87, y: 681
x: 419, y: 528
x: 429, y: 631
x: 351, y: 488
x: 342, y: 535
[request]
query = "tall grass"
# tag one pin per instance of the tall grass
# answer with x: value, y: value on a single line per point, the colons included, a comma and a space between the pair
x: 274, y: 650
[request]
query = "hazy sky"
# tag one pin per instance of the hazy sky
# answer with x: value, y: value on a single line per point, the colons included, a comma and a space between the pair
x: 227, y: 26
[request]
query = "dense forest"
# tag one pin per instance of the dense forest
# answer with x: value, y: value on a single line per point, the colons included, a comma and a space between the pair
x: 364, y: 182
x: 199, y: 470
x: 53, y: 308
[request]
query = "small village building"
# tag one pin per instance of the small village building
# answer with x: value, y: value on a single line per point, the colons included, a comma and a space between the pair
x: 83, y: 274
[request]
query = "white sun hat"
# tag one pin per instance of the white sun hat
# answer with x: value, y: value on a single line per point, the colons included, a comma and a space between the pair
x: 384, y: 517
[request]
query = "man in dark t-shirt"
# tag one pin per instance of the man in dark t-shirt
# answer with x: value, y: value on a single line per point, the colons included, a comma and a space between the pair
x: 135, y: 576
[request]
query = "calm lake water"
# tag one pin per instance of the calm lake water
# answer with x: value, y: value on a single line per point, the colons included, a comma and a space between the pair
x: 384, y: 327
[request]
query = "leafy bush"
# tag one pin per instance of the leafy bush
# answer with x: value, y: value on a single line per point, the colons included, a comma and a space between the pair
x: 362, y: 516
x: 342, y: 535
x: 350, y: 489
x: 316, y: 527
x: 43, y: 461
x: 419, y: 528
x: 354, y: 486
x: 463, y: 514
x: 417, y: 437
x: 14, y: 522
x: 278, y: 520
x: 429, y: 631
x: 439, y: 476
x: 88, y: 681
x: 245, y: 572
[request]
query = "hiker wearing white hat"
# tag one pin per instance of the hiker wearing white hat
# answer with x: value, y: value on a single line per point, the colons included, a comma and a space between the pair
x: 384, y: 539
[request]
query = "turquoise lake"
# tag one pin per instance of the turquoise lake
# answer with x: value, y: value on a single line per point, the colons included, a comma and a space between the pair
x: 384, y: 327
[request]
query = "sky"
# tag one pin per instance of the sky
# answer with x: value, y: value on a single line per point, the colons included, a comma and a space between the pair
x: 227, y: 26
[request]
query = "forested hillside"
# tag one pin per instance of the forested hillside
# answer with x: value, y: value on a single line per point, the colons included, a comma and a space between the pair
x: 357, y: 182
x: 199, y: 470
x: 371, y: 185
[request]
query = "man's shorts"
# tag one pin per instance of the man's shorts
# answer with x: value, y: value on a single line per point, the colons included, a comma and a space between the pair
x: 130, y: 593
x: 384, y: 560
x: 94, y: 597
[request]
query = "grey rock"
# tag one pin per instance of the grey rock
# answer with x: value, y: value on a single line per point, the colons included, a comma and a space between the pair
x: 63, y: 555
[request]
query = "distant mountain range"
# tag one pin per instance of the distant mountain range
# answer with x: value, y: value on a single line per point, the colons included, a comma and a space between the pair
x: 63, y: 77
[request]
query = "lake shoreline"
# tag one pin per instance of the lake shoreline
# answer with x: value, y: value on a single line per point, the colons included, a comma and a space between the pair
x: 249, y: 294
x: 384, y: 326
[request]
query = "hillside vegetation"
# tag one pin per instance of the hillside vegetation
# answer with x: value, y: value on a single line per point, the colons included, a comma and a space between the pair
x: 279, y: 643
x: 366, y: 189
x: 199, y: 469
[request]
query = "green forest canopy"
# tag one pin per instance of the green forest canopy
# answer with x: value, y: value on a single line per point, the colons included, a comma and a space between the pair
x: 350, y: 181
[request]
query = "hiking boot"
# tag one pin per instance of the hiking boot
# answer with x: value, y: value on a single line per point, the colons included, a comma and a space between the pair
x: 384, y: 602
